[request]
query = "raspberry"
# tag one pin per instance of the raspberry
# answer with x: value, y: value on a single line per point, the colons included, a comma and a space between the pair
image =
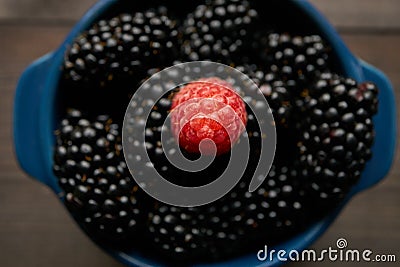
x: 208, y: 109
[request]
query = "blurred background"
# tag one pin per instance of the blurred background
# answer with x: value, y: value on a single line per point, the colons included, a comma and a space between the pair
x: 35, y: 229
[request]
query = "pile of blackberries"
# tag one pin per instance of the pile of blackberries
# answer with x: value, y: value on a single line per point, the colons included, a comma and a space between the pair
x: 324, y: 129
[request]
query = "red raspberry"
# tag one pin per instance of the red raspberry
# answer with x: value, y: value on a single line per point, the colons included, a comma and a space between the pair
x: 208, y: 109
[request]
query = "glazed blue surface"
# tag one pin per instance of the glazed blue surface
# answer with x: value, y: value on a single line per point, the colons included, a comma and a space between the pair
x: 35, y: 120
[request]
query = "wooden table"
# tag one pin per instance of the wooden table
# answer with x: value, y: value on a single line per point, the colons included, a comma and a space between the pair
x: 35, y: 229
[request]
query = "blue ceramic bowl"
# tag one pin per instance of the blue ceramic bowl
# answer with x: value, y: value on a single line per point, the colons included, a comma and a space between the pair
x: 35, y: 118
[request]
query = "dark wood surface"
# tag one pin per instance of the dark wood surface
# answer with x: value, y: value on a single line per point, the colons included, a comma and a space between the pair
x: 35, y: 229
x: 382, y: 14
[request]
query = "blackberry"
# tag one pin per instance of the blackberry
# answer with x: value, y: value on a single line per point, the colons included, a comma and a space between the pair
x: 336, y: 137
x: 226, y: 223
x: 177, y: 232
x: 204, y: 233
x: 284, y: 66
x: 277, y: 209
x: 281, y: 97
x: 117, y: 53
x: 95, y: 180
x: 218, y: 30
x: 233, y: 224
x: 293, y: 59
x: 277, y: 92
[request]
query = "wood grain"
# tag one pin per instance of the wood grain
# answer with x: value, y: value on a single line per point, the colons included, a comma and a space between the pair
x: 44, y: 9
x: 35, y: 230
x: 359, y: 14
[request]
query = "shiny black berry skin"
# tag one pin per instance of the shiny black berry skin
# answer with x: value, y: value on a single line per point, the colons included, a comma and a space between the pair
x: 233, y: 224
x: 275, y: 211
x: 281, y: 97
x: 278, y: 207
x: 299, y: 58
x: 97, y: 186
x: 122, y: 48
x: 107, y: 63
x: 336, y: 137
x: 279, y: 93
x: 177, y: 233
x: 217, y: 30
x: 283, y: 66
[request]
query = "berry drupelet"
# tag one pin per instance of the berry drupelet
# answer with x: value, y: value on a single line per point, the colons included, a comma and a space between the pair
x: 95, y: 180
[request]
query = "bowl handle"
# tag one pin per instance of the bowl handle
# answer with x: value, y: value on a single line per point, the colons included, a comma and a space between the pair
x: 27, y: 103
x: 385, y: 126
